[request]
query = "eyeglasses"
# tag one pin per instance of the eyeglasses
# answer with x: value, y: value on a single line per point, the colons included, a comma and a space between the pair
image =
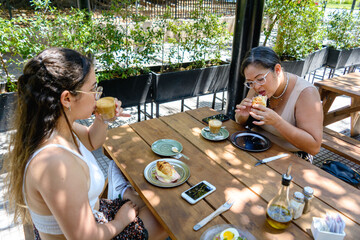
x: 260, y: 81
x: 98, y: 92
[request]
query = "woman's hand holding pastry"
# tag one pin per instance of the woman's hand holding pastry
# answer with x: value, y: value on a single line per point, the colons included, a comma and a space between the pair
x: 264, y: 115
x: 244, y: 107
x: 119, y: 110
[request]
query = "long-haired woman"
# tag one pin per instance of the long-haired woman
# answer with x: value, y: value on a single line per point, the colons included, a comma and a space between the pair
x: 52, y: 174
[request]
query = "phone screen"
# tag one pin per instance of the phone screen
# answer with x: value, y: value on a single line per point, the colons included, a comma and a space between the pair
x: 220, y: 117
x: 198, y: 191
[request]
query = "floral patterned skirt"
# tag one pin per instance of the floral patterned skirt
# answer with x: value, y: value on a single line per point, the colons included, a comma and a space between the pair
x: 304, y: 155
x: 107, y: 210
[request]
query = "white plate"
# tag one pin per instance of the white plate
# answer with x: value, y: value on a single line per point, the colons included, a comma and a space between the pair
x: 215, y: 231
x: 180, y: 167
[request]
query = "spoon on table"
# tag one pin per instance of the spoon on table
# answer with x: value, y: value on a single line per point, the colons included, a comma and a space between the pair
x: 176, y: 150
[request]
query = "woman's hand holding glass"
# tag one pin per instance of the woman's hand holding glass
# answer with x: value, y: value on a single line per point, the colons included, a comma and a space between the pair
x: 109, y: 108
x: 119, y: 110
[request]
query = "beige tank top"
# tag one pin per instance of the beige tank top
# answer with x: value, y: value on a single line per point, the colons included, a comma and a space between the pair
x: 288, y: 115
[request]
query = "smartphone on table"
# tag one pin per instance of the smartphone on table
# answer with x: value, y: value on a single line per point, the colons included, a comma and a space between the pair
x: 221, y: 117
x: 198, y: 192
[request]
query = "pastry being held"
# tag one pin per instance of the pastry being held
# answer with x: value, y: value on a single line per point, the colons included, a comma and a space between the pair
x: 165, y: 172
x: 259, y: 99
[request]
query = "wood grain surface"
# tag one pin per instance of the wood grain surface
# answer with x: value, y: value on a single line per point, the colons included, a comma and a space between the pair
x: 232, y: 172
x: 348, y: 85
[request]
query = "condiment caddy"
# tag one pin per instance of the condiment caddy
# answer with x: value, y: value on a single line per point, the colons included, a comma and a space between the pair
x: 330, y: 228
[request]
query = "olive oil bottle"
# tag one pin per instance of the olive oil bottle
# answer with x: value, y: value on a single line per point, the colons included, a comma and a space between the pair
x: 278, y: 212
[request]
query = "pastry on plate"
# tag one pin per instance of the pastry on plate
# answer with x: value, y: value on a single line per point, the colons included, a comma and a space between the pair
x: 165, y: 172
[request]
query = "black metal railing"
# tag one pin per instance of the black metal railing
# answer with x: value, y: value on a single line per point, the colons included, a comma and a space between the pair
x: 151, y: 8
x: 177, y: 8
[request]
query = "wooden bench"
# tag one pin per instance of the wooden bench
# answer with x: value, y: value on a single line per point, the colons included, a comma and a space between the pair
x: 342, y: 145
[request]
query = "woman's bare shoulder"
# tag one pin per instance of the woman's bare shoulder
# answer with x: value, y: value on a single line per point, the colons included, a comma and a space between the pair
x: 54, y: 162
x: 309, y: 93
x: 52, y: 178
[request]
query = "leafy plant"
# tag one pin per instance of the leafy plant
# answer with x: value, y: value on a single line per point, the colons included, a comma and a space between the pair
x: 207, y: 36
x: 25, y: 36
x: 124, y: 44
x: 300, y: 30
x: 343, y: 30
x: 5, y: 43
x: 161, y: 25
x: 199, y: 40
x: 72, y: 30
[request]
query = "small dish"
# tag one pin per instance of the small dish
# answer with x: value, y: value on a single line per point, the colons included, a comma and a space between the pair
x: 223, y: 134
x: 163, y: 147
x: 250, y: 141
x: 182, y: 169
x: 213, y: 233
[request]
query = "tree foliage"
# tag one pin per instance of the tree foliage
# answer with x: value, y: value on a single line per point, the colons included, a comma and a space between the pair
x: 343, y: 30
x: 299, y: 27
x: 122, y: 42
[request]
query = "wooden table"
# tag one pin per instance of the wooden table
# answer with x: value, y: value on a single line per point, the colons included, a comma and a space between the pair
x: 232, y: 172
x: 348, y: 85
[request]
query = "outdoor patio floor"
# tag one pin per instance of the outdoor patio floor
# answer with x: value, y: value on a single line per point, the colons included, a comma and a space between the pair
x: 9, y: 230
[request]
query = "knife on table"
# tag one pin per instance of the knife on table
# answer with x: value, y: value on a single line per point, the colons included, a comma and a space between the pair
x: 269, y: 159
x: 226, y: 206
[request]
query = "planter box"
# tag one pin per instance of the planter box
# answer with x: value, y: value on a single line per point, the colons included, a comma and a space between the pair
x: 171, y: 86
x: 316, y: 60
x: 295, y: 67
x: 354, y: 58
x: 7, y: 106
x: 343, y: 58
x: 219, y: 76
x: 312, y: 62
x: 132, y: 91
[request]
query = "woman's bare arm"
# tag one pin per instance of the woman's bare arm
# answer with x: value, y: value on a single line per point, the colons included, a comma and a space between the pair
x: 307, y: 134
x: 63, y: 186
x: 94, y: 136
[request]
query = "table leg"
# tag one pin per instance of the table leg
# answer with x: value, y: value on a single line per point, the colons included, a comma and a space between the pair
x: 355, y: 118
x: 327, y: 98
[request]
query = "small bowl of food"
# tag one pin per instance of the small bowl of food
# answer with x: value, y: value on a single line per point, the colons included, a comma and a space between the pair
x: 226, y: 231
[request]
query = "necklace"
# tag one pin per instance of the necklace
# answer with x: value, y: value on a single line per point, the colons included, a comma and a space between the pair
x: 287, y: 83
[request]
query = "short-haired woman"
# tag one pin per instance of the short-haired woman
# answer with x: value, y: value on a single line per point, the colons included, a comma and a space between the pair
x: 293, y: 117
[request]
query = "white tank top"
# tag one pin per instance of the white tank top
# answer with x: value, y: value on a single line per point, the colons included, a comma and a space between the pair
x: 48, y: 224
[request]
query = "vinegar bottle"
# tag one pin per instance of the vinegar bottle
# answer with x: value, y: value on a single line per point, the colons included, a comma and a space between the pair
x: 278, y: 212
